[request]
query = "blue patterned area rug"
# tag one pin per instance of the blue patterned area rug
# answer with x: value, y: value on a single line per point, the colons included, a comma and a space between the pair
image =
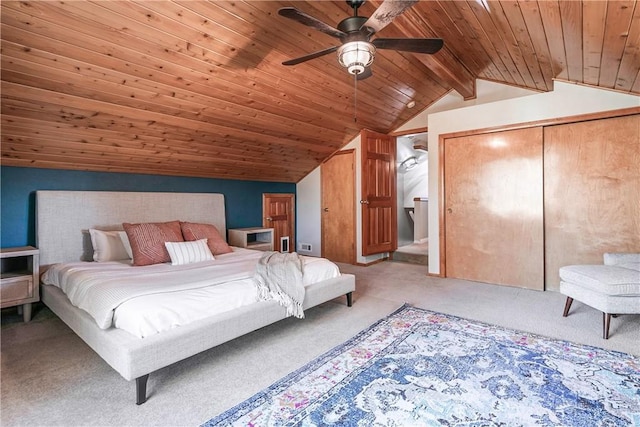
x: 421, y: 368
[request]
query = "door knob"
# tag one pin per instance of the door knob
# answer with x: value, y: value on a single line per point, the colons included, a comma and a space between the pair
x: 326, y: 209
x: 449, y: 210
x: 364, y: 202
x: 269, y: 218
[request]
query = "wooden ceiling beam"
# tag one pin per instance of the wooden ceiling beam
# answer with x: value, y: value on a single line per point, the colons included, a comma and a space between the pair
x: 443, y: 64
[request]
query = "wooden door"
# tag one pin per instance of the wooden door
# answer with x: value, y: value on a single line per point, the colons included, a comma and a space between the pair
x: 338, y: 207
x: 278, y: 212
x: 379, y: 201
x: 494, y: 209
x: 592, y: 191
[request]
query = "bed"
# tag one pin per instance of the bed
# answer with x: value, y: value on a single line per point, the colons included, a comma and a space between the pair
x: 63, y: 221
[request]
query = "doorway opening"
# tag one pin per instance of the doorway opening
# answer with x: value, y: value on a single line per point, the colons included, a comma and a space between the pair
x: 413, y: 199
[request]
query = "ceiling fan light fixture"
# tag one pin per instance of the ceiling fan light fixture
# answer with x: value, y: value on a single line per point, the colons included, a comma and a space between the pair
x: 356, y: 56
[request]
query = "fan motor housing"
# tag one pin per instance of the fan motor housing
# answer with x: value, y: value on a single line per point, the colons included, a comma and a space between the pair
x: 351, y: 27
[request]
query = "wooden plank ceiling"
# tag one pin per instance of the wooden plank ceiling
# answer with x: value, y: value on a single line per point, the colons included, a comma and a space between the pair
x: 194, y: 88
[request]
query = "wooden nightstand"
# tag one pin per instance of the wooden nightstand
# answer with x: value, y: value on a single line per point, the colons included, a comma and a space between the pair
x: 257, y: 238
x: 20, y: 278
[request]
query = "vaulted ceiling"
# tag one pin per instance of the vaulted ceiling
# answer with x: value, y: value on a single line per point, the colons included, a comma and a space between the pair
x: 195, y: 88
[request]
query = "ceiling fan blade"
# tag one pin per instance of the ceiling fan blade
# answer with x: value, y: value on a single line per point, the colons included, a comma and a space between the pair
x: 386, y: 13
x: 410, y: 45
x: 310, y: 21
x: 365, y: 74
x: 310, y: 56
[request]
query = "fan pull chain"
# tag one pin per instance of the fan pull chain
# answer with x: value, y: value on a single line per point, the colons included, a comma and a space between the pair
x: 355, y: 98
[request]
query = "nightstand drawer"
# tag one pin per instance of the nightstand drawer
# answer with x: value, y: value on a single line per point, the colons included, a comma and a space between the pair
x: 15, y: 289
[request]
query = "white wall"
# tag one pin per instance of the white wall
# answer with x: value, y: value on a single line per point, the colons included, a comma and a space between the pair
x: 415, y: 180
x: 404, y: 150
x: 495, y: 105
x: 308, y: 213
x: 405, y: 223
x: 412, y: 183
x: 485, y: 92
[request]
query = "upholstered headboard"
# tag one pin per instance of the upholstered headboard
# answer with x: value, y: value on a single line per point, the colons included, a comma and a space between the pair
x: 63, y: 218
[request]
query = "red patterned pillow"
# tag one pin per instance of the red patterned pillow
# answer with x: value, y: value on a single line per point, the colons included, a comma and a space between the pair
x: 193, y: 231
x: 147, y: 240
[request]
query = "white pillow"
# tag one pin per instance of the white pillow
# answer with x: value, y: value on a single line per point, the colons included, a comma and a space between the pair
x: 188, y: 252
x: 108, y: 245
x: 126, y: 243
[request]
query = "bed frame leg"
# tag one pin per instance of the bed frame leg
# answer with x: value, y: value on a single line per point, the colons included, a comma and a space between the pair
x: 141, y: 389
x: 349, y: 299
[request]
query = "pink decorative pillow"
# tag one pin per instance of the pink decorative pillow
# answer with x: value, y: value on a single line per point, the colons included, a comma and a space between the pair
x: 193, y: 231
x: 147, y: 240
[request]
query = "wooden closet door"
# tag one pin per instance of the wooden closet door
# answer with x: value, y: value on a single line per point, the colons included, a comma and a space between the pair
x: 339, y: 207
x: 493, y: 208
x: 592, y: 192
x: 278, y: 212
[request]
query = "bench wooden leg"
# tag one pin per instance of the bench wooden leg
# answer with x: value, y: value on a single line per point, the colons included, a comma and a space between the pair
x: 606, y: 321
x: 349, y: 299
x: 567, y: 306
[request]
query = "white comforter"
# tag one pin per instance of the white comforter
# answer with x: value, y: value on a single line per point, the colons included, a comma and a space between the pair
x: 150, y: 299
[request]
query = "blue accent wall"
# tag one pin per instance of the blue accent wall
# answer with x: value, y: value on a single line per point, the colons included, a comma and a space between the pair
x: 243, y: 199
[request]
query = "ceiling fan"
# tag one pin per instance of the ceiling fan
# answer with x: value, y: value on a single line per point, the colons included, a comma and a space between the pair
x: 358, y: 50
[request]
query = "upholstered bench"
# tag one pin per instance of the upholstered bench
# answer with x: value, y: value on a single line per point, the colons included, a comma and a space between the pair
x: 613, y: 288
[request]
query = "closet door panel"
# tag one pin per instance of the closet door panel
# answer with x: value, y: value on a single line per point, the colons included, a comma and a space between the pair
x: 592, y: 192
x: 493, y: 208
x: 338, y: 179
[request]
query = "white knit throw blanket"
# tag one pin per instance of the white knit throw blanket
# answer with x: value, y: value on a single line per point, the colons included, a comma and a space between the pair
x: 279, y: 276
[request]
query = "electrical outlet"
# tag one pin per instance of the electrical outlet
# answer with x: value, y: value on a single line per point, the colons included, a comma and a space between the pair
x: 304, y: 247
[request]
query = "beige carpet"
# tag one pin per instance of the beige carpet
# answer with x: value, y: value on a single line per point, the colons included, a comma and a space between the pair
x: 50, y: 377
